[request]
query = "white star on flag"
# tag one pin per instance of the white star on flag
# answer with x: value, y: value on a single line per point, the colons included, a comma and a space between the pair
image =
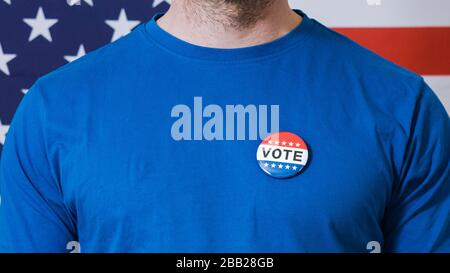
x: 89, y: 2
x: 3, y: 131
x: 122, y: 26
x: 78, y: 2
x: 4, y: 60
x: 157, y: 2
x: 40, y: 26
x: 81, y: 53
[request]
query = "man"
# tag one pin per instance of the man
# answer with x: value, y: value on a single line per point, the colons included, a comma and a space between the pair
x: 153, y: 143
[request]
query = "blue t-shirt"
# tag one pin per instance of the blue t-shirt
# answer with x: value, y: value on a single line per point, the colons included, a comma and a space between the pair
x: 148, y: 145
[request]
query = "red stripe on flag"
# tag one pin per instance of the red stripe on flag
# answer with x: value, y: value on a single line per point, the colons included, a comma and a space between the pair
x: 424, y: 50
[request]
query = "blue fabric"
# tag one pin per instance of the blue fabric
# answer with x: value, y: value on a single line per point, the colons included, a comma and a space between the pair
x: 90, y: 156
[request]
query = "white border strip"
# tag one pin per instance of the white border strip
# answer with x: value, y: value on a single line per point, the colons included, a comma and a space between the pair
x: 441, y: 86
x: 377, y: 13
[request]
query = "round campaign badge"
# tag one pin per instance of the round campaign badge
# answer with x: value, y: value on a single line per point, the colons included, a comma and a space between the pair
x: 282, y: 154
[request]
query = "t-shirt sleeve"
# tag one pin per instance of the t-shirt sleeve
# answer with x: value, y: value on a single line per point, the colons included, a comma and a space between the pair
x: 418, y: 217
x: 33, y: 217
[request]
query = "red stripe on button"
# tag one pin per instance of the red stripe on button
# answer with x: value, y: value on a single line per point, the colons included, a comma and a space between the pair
x: 425, y: 51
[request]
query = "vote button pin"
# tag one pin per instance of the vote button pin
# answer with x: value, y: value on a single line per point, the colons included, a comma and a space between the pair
x: 282, y: 155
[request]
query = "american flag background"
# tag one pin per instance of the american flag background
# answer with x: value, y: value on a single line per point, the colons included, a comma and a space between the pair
x: 38, y: 36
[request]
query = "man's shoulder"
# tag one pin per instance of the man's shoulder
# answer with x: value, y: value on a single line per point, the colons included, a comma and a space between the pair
x: 368, y: 81
x: 96, y: 66
x: 349, y: 55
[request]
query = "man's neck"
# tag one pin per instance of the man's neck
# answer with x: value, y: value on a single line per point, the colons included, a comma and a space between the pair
x: 191, y: 23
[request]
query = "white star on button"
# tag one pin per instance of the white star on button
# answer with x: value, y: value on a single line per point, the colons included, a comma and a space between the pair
x: 81, y: 53
x: 122, y: 26
x: 4, y: 60
x: 40, y: 26
x: 3, y: 131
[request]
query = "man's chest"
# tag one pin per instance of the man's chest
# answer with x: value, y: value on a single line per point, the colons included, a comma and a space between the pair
x: 142, y: 179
